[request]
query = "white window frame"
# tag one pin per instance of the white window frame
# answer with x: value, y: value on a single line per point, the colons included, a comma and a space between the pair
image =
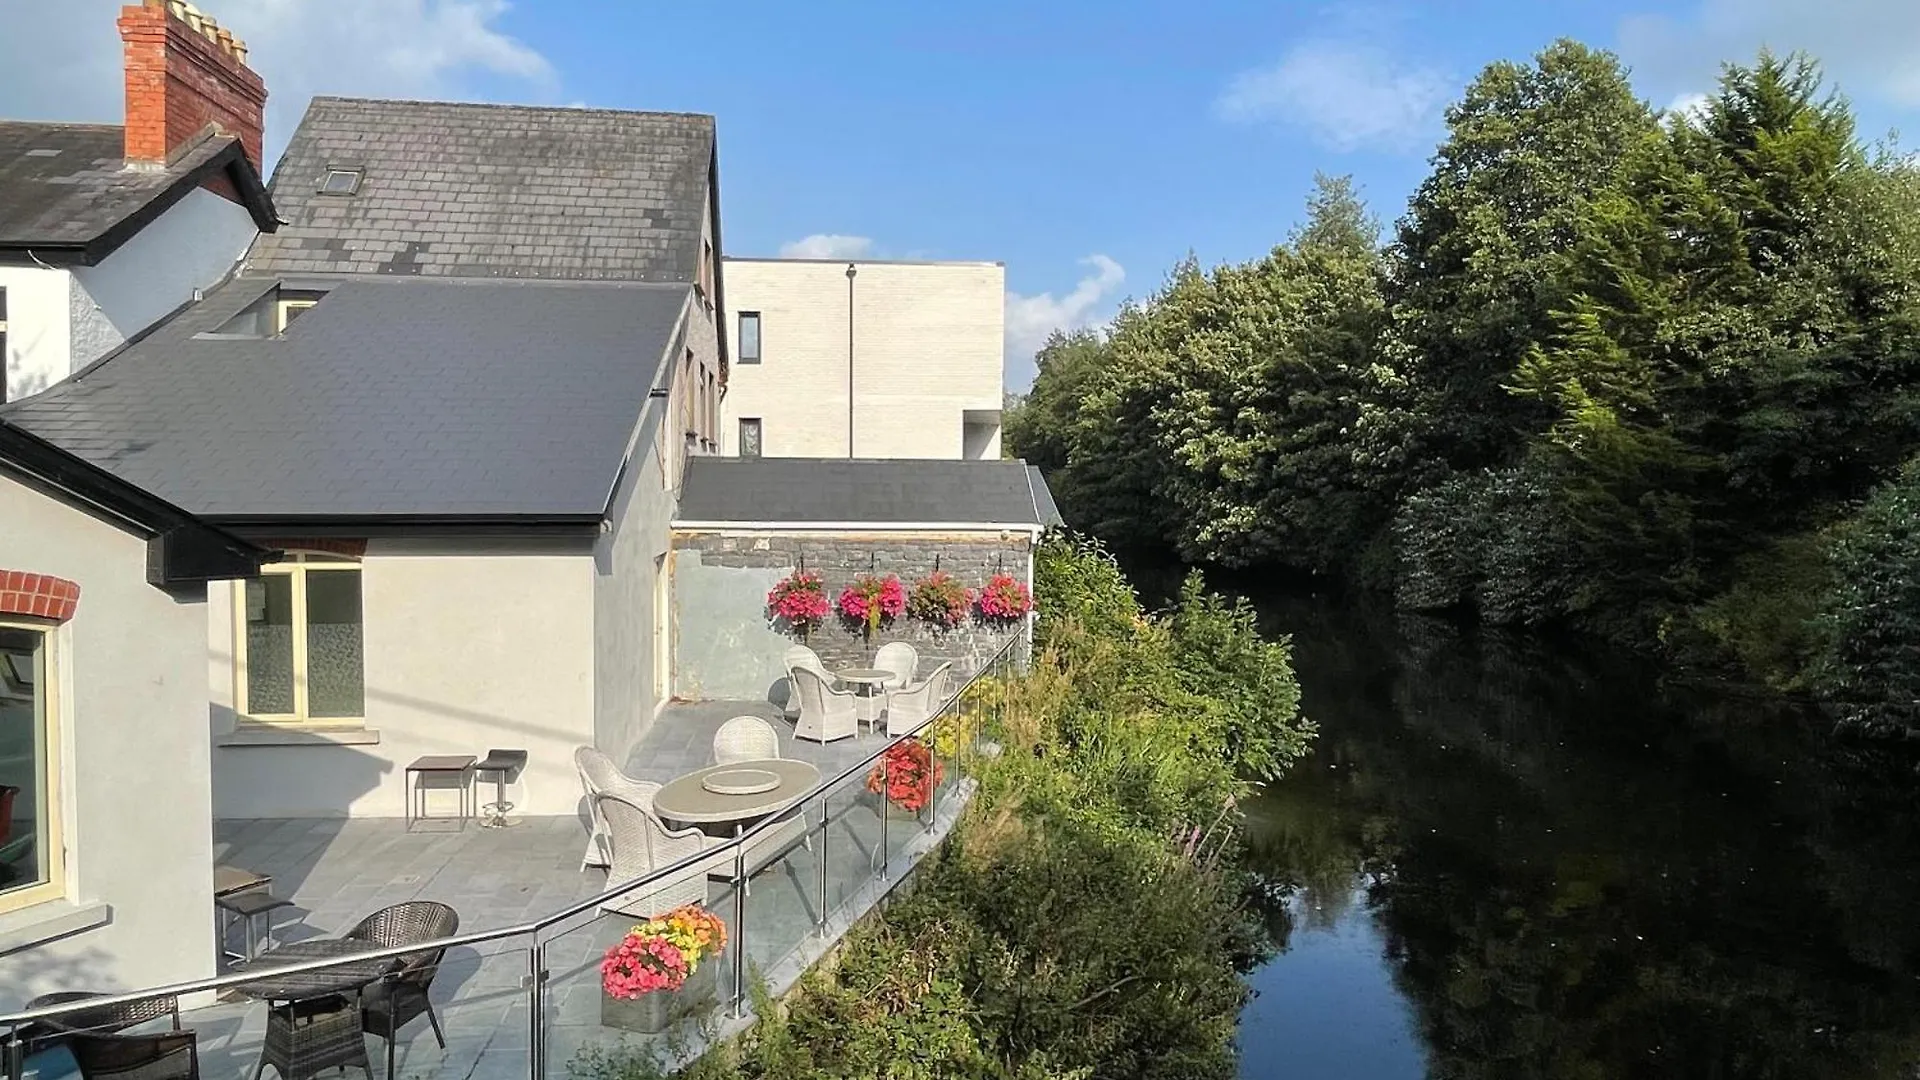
x: 55, y: 886
x: 283, y: 309
x: 297, y: 565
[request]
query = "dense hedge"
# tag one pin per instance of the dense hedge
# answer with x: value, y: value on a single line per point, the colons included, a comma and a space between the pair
x: 1872, y: 659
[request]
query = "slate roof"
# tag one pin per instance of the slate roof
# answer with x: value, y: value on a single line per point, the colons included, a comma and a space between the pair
x: 863, y: 492
x: 493, y: 191
x: 66, y: 195
x: 392, y: 398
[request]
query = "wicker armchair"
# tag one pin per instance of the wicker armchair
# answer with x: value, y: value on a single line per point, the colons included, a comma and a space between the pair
x: 640, y: 844
x: 910, y: 707
x: 900, y: 658
x: 39, y: 1035
x: 745, y: 738
x: 599, y: 776
x: 799, y: 656
x: 166, y: 1055
x: 402, y: 997
x: 826, y: 714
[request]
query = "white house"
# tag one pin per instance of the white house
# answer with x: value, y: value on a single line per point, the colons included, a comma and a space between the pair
x: 105, y: 772
x: 105, y: 230
x: 462, y: 416
x: 864, y: 359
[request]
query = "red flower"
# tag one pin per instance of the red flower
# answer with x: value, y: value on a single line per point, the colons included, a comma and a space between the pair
x: 906, y: 774
x: 870, y: 601
x: 1005, y: 598
x: 799, y: 600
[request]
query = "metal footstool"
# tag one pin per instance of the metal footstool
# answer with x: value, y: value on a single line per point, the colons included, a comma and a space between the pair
x: 505, y: 765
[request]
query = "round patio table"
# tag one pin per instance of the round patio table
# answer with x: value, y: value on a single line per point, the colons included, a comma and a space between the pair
x: 687, y: 799
x: 868, y: 682
x: 343, y: 978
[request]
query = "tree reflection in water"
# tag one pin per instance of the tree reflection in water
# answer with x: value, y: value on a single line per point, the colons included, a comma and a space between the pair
x: 1579, y: 872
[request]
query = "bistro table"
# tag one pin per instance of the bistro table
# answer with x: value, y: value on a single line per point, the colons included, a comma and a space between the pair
x: 314, y: 1018
x: 688, y: 800
x: 869, y: 682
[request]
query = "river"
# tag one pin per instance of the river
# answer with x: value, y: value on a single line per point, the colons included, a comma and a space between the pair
x: 1515, y: 859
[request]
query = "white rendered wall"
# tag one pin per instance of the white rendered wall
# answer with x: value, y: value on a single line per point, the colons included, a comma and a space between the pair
x: 487, y: 644
x: 61, y: 321
x: 928, y: 343
x: 39, y: 327
x: 135, y: 788
x: 190, y: 246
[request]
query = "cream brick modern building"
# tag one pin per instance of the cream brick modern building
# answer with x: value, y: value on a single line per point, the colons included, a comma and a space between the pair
x: 916, y: 349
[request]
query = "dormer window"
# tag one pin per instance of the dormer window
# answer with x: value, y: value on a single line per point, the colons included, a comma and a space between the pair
x: 340, y: 182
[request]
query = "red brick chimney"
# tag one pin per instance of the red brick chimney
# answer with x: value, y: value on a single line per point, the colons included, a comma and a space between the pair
x: 184, y: 71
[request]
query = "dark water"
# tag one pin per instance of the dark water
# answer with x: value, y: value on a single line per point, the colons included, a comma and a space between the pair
x: 1511, y: 860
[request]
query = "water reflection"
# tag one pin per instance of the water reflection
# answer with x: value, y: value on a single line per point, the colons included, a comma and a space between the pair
x: 1514, y: 859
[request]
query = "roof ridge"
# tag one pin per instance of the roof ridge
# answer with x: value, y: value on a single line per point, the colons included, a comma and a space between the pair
x: 508, y: 105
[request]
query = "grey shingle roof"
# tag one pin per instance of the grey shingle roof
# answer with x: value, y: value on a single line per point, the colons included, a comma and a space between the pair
x: 391, y: 397
x: 493, y: 191
x: 867, y: 492
x: 66, y: 195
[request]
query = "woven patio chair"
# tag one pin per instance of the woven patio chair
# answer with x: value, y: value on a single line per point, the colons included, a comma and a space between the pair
x: 915, y: 704
x: 826, y: 714
x: 403, y: 996
x: 900, y: 658
x: 166, y: 1055
x: 640, y: 844
x: 599, y: 776
x: 745, y: 738
x: 799, y: 656
x: 40, y: 1035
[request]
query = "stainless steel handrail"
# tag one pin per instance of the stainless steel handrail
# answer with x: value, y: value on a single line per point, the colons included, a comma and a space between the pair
x: 478, y: 937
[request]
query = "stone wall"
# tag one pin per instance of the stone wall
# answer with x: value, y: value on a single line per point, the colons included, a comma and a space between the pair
x: 724, y: 647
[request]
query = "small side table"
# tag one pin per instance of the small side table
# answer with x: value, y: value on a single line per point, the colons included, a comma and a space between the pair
x: 439, y: 771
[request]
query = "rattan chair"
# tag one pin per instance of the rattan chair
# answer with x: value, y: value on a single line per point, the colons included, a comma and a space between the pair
x: 166, y: 1055
x: 799, y: 656
x: 640, y: 844
x: 914, y: 705
x: 403, y: 996
x: 900, y: 658
x: 745, y: 738
x: 38, y: 1035
x: 599, y: 776
x: 826, y: 714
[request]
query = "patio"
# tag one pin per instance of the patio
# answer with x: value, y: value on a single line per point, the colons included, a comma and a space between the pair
x: 335, y: 871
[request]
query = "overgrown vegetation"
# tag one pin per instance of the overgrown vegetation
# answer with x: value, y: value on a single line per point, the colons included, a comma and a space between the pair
x: 1632, y: 372
x: 1080, y: 922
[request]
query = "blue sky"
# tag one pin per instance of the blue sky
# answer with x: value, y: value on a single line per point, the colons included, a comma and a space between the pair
x: 1088, y: 146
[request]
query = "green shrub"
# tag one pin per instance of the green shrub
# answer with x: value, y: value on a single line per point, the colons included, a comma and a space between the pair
x: 1871, y: 665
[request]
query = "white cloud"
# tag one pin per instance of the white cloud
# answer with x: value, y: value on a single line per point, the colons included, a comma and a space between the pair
x: 61, y: 61
x: 1347, y: 94
x: 1030, y: 319
x: 828, y: 246
x: 1871, y: 48
x: 1692, y: 106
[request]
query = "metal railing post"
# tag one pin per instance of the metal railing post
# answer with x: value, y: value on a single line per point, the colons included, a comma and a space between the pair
x: 740, y: 931
x: 537, y: 1009
x: 886, y: 804
x: 826, y: 819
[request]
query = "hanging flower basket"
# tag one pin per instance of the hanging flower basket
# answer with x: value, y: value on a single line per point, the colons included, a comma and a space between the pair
x: 940, y: 599
x: 659, y: 971
x: 799, y: 601
x: 1005, y: 599
x: 871, y: 602
x: 906, y: 774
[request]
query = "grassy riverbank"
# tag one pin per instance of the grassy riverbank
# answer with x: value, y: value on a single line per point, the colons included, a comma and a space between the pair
x: 1080, y: 922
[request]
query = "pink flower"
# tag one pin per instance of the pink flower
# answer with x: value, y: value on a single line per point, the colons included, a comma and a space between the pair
x: 1005, y: 598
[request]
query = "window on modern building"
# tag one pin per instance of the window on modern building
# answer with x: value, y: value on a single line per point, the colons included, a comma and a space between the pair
x: 30, y: 843
x: 299, y: 648
x: 749, y: 345
x: 749, y: 436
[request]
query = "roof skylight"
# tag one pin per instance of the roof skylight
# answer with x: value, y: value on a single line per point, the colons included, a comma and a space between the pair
x: 340, y: 182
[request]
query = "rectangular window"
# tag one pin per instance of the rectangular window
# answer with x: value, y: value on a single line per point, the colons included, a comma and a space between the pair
x: 3, y: 346
x: 288, y: 310
x: 704, y: 279
x: 749, y: 344
x: 689, y: 393
x: 300, y: 643
x: 749, y: 436
x: 30, y: 844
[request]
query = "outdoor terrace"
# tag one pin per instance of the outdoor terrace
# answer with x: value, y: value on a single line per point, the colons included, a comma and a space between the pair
x: 336, y: 871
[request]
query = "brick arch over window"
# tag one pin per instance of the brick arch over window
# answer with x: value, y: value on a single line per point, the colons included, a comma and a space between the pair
x: 41, y: 596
